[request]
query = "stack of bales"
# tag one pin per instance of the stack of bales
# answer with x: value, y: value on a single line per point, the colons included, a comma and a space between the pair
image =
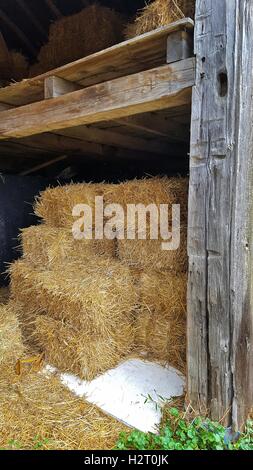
x: 162, y: 281
x: 88, y: 304
x: 159, y: 13
x: 70, y: 38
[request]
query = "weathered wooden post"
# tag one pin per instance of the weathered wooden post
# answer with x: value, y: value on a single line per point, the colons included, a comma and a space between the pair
x: 220, y: 315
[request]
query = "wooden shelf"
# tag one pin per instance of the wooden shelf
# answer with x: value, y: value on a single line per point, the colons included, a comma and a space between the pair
x: 132, y: 87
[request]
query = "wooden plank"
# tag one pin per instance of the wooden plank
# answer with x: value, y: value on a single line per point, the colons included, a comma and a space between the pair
x: 220, y: 207
x: 46, y: 164
x: 50, y: 143
x: 4, y: 107
x: 156, y: 125
x: 164, y: 87
x: 135, y: 55
x: 56, y: 86
x: 115, y: 139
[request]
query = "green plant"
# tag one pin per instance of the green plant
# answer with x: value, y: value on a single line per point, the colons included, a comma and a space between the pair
x: 179, y: 434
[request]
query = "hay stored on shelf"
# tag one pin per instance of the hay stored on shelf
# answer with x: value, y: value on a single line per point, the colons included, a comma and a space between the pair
x: 11, y: 345
x: 48, y: 246
x: 55, y: 205
x: 161, y: 323
x: 38, y: 412
x: 96, y: 297
x: 159, y: 13
x: 73, y: 351
x: 95, y: 28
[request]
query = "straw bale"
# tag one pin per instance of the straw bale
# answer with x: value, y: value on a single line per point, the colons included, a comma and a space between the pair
x: 148, y: 254
x: 38, y: 412
x: 11, y: 345
x: 159, y: 13
x: 55, y: 205
x: 156, y: 190
x: 161, y: 323
x: 70, y: 38
x: 96, y: 297
x: 73, y: 351
x: 48, y: 246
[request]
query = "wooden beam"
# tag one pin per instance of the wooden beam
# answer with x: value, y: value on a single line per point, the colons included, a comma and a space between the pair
x: 54, y: 9
x: 156, y: 125
x: 115, y: 139
x: 4, y: 106
x: 56, y: 86
x: 220, y: 245
x: 46, y: 164
x: 163, y: 87
x: 135, y: 55
x: 179, y: 46
x: 23, y: 5
x: 17, y: 31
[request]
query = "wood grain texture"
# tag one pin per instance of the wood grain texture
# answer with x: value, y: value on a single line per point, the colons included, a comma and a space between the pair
x: 135, y: 55
x: 220, y: 206
x: 160, y: 88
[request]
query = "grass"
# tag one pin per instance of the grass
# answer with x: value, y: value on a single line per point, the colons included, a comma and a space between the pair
x: 177, y: 433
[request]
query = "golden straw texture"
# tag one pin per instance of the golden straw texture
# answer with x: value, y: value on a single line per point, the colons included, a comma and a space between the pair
x: 159, y: 13
x: 38, y: 412
x: 48, y: 246
x: 161, y: 324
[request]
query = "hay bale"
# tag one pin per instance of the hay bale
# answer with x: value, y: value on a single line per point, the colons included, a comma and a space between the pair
x: 73, y: 351
x: 39, y: 411
x: 156, y: 190
x: 11, y: 345
x: 55, y: 205
x: 97, y: 298
x: 70, y: 38
x: 159, y: 13
x: 47, y: 246
x: 148, y: 254
x: 161, y: 323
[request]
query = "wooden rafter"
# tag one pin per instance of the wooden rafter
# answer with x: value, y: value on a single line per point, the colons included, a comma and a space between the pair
x: 23, y: 5
x: 17, y: 31
x: 46, y: 164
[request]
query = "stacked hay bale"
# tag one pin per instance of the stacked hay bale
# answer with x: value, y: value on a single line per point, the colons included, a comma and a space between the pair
x: 159, y: 13
x: 162, y: 280
x: 88, y: 304
x: 70, y: 38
